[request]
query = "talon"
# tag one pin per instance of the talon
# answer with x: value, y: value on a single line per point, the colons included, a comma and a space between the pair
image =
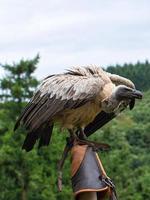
x: 82, y: 135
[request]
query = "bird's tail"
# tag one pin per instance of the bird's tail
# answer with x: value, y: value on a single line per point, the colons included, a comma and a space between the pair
x: 43, y: 134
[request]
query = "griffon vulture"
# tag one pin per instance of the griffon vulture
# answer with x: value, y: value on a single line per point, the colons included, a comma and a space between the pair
x: 73, y: 99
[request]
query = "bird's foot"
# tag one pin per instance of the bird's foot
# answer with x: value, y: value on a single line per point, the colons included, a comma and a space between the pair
x: 95, y: 145
x: 81, y: 139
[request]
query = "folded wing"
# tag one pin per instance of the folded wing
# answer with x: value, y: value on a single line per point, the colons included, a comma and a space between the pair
x: 55, y: 94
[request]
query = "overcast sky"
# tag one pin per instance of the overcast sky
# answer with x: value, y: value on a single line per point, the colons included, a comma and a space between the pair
x: 74, y: 32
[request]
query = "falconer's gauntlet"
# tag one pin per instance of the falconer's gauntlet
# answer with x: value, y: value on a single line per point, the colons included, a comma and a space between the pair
x: 88, y: 174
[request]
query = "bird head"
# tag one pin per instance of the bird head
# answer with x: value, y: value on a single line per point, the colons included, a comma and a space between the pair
x: 124, y: 93
x: 121, y: 94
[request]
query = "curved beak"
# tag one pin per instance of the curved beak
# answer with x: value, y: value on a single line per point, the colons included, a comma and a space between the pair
x: 130, y: 95
x: 136, y: 94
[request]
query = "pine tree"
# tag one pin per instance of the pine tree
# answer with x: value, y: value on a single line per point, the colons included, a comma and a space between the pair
x: 18, y: 84
x: 16, y: 88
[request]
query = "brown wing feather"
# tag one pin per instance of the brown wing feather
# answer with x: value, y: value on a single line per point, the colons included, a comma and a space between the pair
x: 56, y: 93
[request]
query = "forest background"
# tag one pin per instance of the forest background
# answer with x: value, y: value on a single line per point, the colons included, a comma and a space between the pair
x: 32, y: 176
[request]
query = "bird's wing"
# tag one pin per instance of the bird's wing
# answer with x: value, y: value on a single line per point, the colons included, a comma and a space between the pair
x: 100, y: 120
x: 120, y: 80
x: 103, y: 118
x: 56, y: 93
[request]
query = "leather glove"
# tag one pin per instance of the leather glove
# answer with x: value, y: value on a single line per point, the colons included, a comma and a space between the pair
x: 88, y: 174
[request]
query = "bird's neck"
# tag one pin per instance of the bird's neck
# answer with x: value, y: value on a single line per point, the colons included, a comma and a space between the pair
x: 106, y: 91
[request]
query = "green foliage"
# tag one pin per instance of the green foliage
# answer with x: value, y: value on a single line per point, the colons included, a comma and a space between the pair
x: 18, y: 84
x: 128, y: 162
x: 33, y: 175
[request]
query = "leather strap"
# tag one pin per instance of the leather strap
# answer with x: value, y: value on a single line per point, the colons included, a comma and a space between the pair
x: 104, y: 178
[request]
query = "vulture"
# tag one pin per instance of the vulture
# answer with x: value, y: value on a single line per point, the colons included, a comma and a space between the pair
x: 81, y: 100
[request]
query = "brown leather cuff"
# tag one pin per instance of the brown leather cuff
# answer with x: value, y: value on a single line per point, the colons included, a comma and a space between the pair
x: 87, y: 172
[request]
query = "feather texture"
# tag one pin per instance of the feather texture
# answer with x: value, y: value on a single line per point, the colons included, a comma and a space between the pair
x: 72, y: 96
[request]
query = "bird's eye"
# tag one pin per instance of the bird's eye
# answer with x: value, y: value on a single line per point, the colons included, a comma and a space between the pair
x: 127, y: 89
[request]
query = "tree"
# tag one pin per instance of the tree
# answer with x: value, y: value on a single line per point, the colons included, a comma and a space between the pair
x: 26, y: 175
x: 16, y: 88
x: 33, y: 175
x: 18, y: 84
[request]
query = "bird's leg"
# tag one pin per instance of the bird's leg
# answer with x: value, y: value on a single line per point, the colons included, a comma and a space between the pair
x: 81, y: 134
x: 73, y: 134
